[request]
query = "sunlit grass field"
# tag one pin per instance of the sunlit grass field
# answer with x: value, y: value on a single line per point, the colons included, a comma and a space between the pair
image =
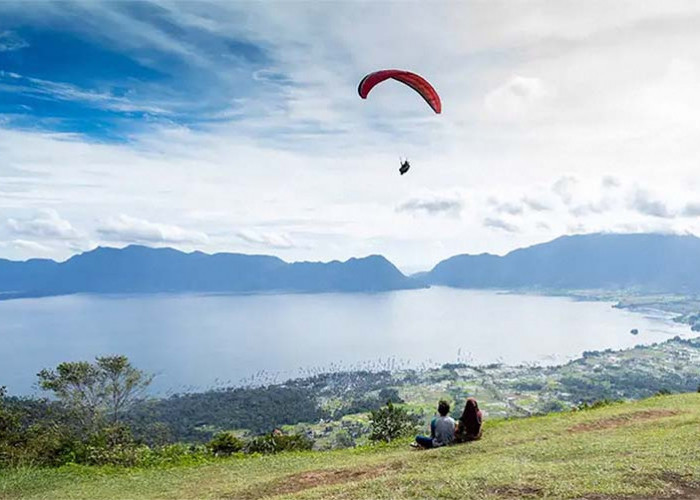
x: 645, y: 449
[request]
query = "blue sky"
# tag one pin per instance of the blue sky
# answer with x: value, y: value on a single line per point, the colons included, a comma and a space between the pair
x: 232, y: 126
x: 62, y: 73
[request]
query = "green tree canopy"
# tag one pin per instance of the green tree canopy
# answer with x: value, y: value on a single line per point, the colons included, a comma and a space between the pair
x: 96, y: 392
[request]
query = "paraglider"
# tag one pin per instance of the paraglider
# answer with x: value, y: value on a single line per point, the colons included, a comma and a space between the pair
x: 416, y: 82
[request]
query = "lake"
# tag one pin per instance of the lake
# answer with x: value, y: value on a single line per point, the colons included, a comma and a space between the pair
x: 194, y: 342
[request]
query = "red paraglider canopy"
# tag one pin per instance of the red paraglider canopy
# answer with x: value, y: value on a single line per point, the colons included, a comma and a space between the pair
x: 416, y: 82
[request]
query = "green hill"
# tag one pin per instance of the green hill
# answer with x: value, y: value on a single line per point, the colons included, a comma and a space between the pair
x: 645, y: 449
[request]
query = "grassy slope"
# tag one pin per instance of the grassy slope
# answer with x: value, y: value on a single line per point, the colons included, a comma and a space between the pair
x: 646, y: 448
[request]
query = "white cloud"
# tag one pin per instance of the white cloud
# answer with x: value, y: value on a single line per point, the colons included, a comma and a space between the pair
x: 67, y: 92
x: 496, y: 223
x: 577, y: 228
x: 564, y: 188
x: 30, y: 246
x: 124, y: 228
x: 600, y: 206
x: 644, y: 202
x: 536, y: 204
x: 9, y: 42
x: 46, y: 224
x: 515, y: 98
x: 432, y: 205
x: 692, y: 209
x: 510, y: 208
x: 610, y: 182
x: 265, y: 239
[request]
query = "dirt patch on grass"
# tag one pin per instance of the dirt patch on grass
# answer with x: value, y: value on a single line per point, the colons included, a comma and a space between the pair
x: 622, y: 420
x: 686, y: 494
x: 678, y: 487
x: 513, y: 491
x: 312, y: 479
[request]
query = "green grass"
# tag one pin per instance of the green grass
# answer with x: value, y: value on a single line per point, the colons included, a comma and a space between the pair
x: 640, y: 449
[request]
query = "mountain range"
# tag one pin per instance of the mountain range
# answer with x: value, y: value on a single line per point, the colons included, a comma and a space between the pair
x: 139, y: 269
x: 648, y: 262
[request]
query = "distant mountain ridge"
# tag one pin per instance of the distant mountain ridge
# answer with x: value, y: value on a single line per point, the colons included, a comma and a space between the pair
x: 650, y: 262
x: 139, y: 269
x: 647, y: 262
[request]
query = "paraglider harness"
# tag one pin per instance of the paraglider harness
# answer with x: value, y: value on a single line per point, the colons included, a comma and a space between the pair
x: 404, y: 166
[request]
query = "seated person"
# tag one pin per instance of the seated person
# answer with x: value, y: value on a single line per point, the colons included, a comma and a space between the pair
x: 442, y: 429
x: 469, y: 424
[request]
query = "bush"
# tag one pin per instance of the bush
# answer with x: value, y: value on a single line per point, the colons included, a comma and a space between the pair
x: 27, y: 436
x: 529, y: 385
x: 41, y: 443
x: 390, y: 394
x: 552, y: 406
x: 33, y: 434
x: 10, y: 436
x: 225, y: 443
x: 180, y: 454
x: 113, y: 436
x: 595, y: 404
x: 391, y: 422
x: 113, y: 445
x: 123, y: 455
x: 343, y: 439
x: 274, y: 443
x: 53, y: 445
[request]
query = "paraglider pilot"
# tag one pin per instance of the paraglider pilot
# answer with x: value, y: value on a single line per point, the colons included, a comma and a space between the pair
x: 404, y: 166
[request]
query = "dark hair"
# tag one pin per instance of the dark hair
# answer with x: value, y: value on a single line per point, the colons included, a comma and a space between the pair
x: 443, y: 407
x: 469, y: 418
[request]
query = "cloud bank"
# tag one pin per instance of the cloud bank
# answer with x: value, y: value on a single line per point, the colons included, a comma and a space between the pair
x: 249, y: 111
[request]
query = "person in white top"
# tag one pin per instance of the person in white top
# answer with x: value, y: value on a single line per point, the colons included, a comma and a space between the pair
x: 442, y: 429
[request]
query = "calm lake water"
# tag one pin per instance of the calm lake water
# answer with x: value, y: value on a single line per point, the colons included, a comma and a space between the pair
x: 198, y: 341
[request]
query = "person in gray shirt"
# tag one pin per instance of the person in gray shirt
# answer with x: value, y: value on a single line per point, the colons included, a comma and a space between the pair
x: 442, y: 429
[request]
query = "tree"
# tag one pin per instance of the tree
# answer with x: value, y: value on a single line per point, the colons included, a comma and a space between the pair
x: 76, y: 385
x: 9, y: 420
x: 390, y: 422
x: 123, y: 384
x: 96, y: 392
